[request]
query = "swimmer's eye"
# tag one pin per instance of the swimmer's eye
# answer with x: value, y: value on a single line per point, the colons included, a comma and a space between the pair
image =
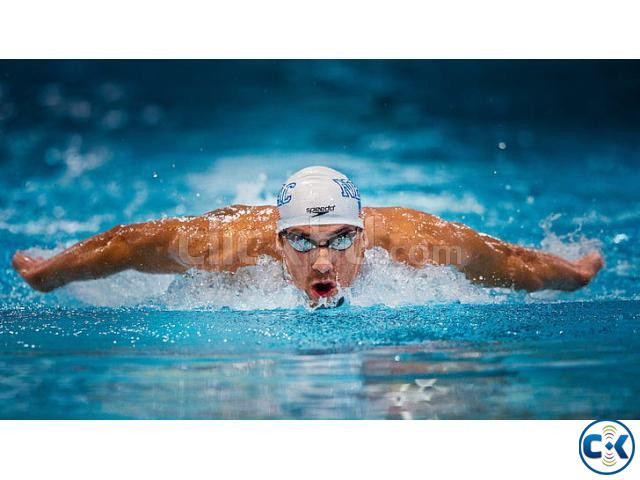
x: 342, y: 241
x: 300, y: 244
x: 303, y: 244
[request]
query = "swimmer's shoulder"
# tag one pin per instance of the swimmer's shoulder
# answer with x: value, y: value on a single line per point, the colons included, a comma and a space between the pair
x: 397, y: 216
x: 389, y: 226
x: 244, y: 217
x: 234, y: 236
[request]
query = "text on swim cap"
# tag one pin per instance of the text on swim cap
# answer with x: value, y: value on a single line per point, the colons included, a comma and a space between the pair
x: 284, y: 197
x: 321, y: 210
x: 348, y: 189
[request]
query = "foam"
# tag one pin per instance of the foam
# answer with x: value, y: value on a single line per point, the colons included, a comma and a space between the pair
x: 572, y: 245
x: 264, y: 287
x: 125, y: 289
x: 259, y: 287
x: 385, y: 282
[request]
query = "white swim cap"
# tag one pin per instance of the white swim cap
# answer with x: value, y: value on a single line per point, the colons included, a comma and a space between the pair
x: 318, y: 196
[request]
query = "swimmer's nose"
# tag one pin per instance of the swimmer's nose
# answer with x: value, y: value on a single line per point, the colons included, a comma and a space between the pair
x: 323, y: 263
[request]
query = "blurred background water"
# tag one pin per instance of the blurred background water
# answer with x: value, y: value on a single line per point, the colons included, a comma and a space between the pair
x: 542, y: 153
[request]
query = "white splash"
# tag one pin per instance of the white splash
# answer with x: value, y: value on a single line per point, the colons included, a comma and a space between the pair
x: 259, y: 287
x: 620, y: 237
x: 572, y: 245
x: 128, y: 288
x: 385, y: 282
x: 264, y: 287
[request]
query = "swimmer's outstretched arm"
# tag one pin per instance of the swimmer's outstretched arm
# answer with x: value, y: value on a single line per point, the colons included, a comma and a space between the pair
x: 174, y: 245
x: 496, y: 263
x: 142, y: 246
x: 418, y: 238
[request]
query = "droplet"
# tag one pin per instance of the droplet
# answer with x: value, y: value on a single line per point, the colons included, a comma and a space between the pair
x: 619, y: 238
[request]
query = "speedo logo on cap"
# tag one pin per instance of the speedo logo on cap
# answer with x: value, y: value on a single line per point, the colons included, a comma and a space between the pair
x: 321, y: 210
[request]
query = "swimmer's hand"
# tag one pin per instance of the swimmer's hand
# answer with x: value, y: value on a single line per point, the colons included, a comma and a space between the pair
x: 588, y: 266
x: 29, y: 269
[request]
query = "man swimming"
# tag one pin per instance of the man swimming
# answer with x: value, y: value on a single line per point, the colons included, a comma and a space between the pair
x: 320, y: 233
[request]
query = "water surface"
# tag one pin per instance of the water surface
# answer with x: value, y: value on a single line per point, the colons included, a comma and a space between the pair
x: 542, y: 154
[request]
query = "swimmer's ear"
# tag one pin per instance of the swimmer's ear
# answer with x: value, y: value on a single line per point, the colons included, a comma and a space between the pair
x: 278, y: 246
x: 365, y: 239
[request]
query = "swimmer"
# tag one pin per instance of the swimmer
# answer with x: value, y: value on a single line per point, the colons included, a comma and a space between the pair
x: 319, y: 232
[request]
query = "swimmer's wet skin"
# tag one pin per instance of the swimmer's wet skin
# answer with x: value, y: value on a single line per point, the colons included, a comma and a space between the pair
x: 320, y: 233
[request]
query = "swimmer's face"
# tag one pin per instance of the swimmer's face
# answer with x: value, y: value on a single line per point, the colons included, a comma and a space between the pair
x: 319, y: 271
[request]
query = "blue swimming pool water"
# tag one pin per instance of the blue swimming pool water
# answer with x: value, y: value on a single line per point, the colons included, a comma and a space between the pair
x: 84, y: 146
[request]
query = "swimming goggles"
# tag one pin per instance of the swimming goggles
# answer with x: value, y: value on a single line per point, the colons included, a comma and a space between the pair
x: 303, y: 244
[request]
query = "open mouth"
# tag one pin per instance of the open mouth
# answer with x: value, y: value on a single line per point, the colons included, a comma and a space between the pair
x: 323, y: 288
